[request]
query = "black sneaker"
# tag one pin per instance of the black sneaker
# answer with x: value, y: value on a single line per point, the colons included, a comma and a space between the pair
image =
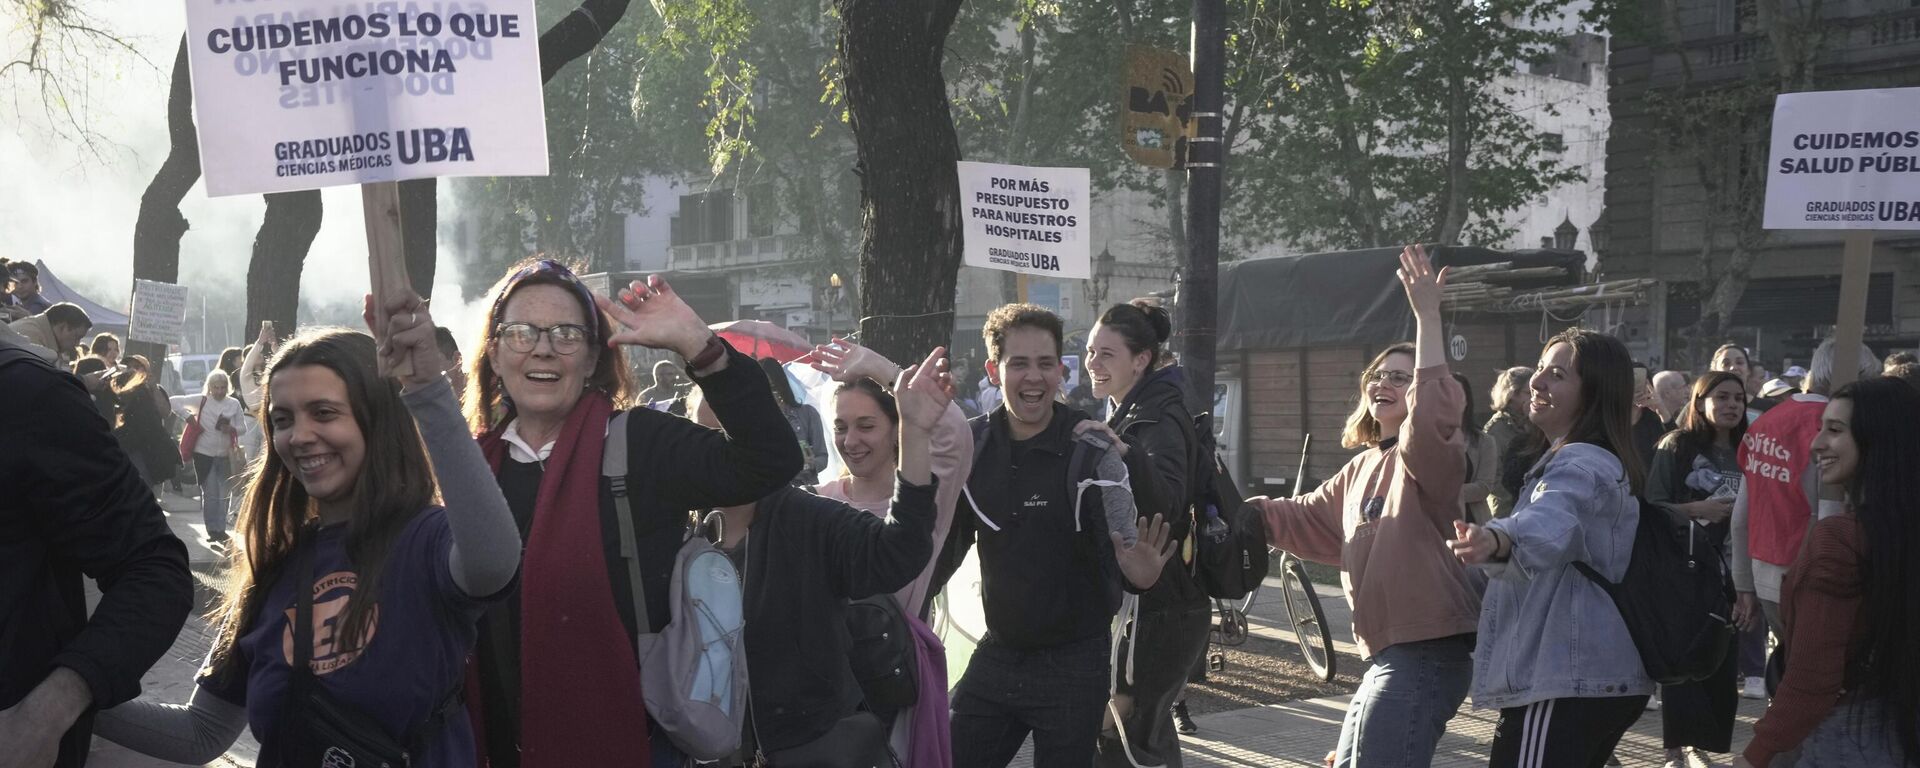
x: 1182, y: 721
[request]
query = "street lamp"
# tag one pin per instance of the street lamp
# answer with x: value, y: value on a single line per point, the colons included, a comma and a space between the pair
x: 1565, y: 235
x: 836, y: 295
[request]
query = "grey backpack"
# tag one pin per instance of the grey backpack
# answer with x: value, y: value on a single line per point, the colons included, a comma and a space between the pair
x: 693, y: 671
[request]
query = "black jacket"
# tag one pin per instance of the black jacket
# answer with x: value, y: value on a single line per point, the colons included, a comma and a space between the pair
x: 1046, y: 578
x: 806, y: 557
x: 71, y: 505
x: 1158, y: 428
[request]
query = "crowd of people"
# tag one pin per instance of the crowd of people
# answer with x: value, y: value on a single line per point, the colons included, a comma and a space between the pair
x: 521, y: 557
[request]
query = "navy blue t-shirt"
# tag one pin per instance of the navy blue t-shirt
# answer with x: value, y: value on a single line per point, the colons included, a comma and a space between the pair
x: 421, y: 635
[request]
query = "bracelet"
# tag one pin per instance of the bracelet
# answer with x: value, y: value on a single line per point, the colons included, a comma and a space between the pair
x: 709, y: 355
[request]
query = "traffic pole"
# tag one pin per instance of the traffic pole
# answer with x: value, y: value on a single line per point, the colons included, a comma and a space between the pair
x: 1196, y: 306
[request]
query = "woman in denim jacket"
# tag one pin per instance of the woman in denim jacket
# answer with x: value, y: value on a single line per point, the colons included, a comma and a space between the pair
x: 1554, y: 655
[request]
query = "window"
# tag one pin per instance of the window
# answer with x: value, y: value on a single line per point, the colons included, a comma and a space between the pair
x: 1554, y: 143
x: 763, y: 211
x: 704, y: 218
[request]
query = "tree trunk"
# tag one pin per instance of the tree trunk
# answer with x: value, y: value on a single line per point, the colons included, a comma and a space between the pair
x: 157, y: 231
x: 903, y: 132
x: 1459, y: 144
x: 279, y: 255
x: 1363, y: 202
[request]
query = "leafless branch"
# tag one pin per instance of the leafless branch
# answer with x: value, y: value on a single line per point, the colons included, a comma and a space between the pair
x: 58, y: 49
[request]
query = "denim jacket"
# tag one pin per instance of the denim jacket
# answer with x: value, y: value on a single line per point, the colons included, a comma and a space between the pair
x: 1546, y: 632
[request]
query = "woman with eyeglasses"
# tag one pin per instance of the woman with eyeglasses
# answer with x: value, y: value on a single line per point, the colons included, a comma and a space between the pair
x: 558, y: 680
x: 1385, y: 519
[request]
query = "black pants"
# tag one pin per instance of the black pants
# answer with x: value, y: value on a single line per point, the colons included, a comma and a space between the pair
x: 1700, y: 714
x: 1170, y: 633
x: 1563, y: 733
x: 1056, y: 694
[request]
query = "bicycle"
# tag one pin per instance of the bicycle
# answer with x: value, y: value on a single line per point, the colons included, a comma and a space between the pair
x: 1304, y: 613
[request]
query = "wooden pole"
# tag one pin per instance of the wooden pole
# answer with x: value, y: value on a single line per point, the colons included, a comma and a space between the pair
x: 386, y: 259
x: 1850, y: 326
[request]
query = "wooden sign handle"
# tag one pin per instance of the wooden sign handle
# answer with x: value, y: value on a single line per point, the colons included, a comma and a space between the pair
x: 386, y: 260
x: 1850, y: 326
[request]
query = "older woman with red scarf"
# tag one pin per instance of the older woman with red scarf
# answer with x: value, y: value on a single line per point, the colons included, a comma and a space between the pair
x: 555, y: 672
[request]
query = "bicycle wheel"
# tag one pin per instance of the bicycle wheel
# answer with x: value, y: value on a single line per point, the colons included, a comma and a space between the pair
x: 1309, y: 620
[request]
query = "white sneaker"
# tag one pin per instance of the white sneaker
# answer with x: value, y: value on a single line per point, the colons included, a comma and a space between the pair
x: 1653, y: 703
x: 1756, y: 688
x: 1699, y: 759
x: 1675, y: 759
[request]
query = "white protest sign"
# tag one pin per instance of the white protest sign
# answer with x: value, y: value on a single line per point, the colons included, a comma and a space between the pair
x: 1023, y: 219
x: 303, y: 94
x: 1845, y: 160
x: 159, y: 313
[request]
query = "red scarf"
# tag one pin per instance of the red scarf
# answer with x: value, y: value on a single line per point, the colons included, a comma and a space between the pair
x: 580, y: 698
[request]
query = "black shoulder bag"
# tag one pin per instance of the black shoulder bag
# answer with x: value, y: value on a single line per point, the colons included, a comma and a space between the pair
x: 319, y: 731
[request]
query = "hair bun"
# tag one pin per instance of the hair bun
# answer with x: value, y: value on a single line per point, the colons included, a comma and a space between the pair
x: 1157, y: 317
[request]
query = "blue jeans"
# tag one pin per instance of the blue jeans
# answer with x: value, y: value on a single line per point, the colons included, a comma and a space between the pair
x: 1404, y: 702
x: 1057, y: 694
x: 1852, y: 736
x: 212, y: 473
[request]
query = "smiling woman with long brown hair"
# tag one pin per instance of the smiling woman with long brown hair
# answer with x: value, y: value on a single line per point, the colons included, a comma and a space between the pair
x: 354, y: 602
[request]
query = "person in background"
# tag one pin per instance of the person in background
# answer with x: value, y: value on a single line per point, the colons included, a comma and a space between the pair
x: 1733, y: 358
x: 1671, y: 392
x: 1384, y: 519
x: 558, y: 677
x: 1851, y: 600
x: 141, y: 427
x: 1144, y: 395
x: 1779, y: 492
x: 1517, y: 441
x: 97, y: 376
x: 26, y: 289
x: 456, y: 365
x: 72, y: 508
x: 345, y: 530
x: 219, y: 415
x: 1483, y: 461
x: 1695, y: 477
x: 802, y: 559
x: 56, y: 331
x: 804, y: 419
x: 1897, y: 359
x: 105, y: 346
x: 866, y: 432
x: 1648, y: 427
x: 1907, y: 372
x: 668, y: 384
x: 10, y: 308
x: 1554, y: 655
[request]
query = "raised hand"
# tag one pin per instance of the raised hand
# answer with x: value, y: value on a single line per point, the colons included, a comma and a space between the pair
x: 409, y: 337
x: 1422, y: 284
x: 923, y: 391
x: 1142, y: 562
x: 653, y: 315
x: 847, y: 362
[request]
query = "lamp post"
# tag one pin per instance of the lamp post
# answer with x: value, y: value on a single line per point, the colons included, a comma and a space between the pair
x: 836, y: 293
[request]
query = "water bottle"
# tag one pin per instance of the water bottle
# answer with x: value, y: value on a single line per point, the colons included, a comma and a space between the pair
x: 1216, y: 530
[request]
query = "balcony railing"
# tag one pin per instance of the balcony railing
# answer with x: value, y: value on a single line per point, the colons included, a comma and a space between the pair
x: 730, y: 254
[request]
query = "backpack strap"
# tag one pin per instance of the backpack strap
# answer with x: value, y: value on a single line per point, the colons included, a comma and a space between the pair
x: 613, y: 466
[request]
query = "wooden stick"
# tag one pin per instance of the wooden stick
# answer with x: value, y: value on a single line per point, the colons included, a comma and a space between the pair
x: 386, y: 260
x: 1850, y: 326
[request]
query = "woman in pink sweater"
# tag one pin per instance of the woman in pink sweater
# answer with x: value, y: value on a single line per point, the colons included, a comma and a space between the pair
x: 1385, y: 519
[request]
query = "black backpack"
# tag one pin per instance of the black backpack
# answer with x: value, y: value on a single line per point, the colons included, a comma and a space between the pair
x: 1673, y: 600
x: 1230, y: 558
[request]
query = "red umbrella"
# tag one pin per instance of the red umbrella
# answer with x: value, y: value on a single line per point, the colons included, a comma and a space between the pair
x: 759, y: 338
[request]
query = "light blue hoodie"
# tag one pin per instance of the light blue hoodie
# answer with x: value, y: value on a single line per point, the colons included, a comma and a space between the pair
x: 1547, y: 632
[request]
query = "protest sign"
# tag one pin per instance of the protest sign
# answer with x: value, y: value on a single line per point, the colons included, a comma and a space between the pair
x: 317, y: 93
x: 1845, y: 160
x: 159, y: 313
x: 1024, y: 219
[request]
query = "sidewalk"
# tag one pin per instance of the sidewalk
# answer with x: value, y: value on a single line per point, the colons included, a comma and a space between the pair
x: 1301, y: 733
x: 172, y: 679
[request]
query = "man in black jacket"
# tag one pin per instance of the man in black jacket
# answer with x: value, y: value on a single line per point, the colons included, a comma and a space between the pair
x: 1055, y: 553
x: 71, y: 504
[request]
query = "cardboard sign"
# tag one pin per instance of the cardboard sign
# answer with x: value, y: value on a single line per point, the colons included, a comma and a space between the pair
x: 1024, y: 219
x: 303, y: 94
x: 1845, y: 160
x: 159, y: 313
x: 1156, y: 106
